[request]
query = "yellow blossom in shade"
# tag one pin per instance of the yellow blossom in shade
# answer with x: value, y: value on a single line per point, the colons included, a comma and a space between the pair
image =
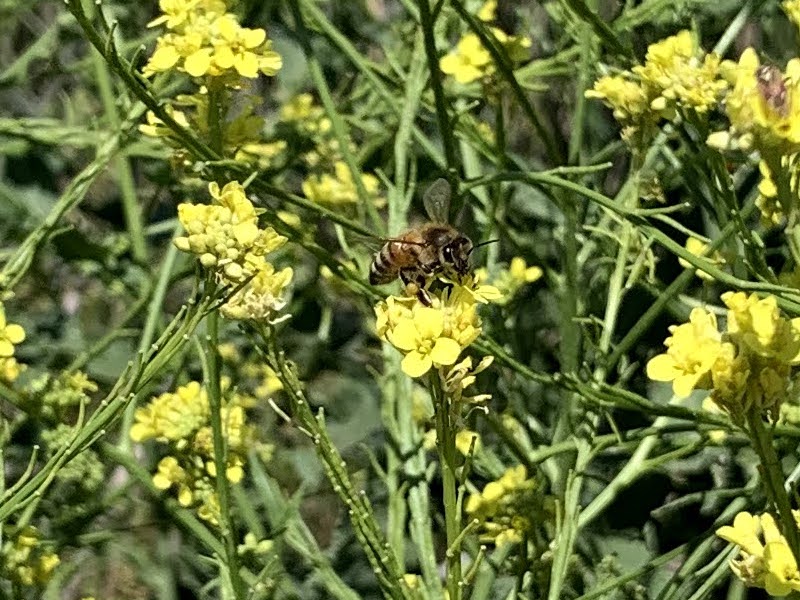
x: 26, y: 560
x: 468, y: 62
x: 10, y: 370
x: 754, y: 107
x: 340, y: 188
x: 508, y: 281
x: 729, y: 376
x: 506, y: 508
x: 172, y: 415
x: 757, y: 322
x: 156, y: 128
x: 421, y: 338
x: 698, y: 248
x: 11, y: 334
x: 772, y: 211
x: 626, y: 98
x: 691, y: 352
x: 261, y: 297
x: 471, y: 60
x: 464, y: 441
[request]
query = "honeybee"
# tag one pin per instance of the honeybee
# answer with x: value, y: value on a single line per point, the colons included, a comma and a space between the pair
x: 432, y: 248
x: 772, y: 88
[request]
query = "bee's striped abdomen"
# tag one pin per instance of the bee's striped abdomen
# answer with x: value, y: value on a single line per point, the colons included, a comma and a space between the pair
x: 387, y: 263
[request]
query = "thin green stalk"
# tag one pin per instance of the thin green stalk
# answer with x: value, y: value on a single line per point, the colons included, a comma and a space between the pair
x: 127, y: 185
x: 211, y: 365
x: 772, y: 477
x: 446, y: 446
x: 440, y: 100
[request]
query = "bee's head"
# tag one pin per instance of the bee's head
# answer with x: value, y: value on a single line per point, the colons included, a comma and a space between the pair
x: 456, y: 254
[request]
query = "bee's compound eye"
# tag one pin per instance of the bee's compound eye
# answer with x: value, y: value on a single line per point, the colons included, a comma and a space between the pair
x: 447, y: 253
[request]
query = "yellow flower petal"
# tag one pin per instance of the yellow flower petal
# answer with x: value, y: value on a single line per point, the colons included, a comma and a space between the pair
x: 429, y: 322
x: 416, y: 364
x: 246, y: 64
x: 198, y: 63
x: 14, y: 333
x: 6, y: 349
x: 445, y: 351
x: 403, y: 336
x: 662, y: 368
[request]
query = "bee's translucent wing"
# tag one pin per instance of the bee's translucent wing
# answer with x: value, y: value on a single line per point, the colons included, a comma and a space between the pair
x: 437, y: 201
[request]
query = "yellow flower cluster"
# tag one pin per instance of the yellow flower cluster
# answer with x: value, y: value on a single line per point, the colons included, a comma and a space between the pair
x: 339, y: 187
x: 471, y: 61
x: 306, y: 116
x: 765, y: 559
x: 430, y: 336
x: 330, y: 180
x: 204, y: 39
x: 11, y: 334
x: 676, y: 75
x: 10, y: 370
x: 226, y: 237
x: 181, y: 419
x: 511, y: 279
x: 504, y: 507
x: 746, y: 368
x: 24, y: 559
x: 772, y: 211
x: 763, y: 104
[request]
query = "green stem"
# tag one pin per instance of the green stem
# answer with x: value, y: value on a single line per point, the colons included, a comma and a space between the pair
x: 214, y: 390
x: 772, y: 476
x: 127, y: 184
x: 446, y: 445
x: 445, y: 127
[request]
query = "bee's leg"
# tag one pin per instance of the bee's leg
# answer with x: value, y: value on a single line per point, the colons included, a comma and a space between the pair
x: 414, y: 280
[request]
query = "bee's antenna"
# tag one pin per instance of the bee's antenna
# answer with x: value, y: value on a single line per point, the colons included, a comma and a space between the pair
x: 484, y: 244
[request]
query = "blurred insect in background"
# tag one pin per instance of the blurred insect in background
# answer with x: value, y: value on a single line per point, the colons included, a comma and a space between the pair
x: 772, y: 88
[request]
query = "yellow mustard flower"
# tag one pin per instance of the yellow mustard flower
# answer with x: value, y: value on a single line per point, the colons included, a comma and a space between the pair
x: 691, y: 352
x: 169, y: 474
x: 10, y: 370
x: 11, y: 334
x: 261, y: 297
x: 765, y: 559
x: 203, y: 39
x: 626, y: 98
x: 758, y: 323
x: 26, y: 560
x: 505, y: 507
x: 172, y: 415
x: 339, y: 188
x: 772, y: 211
x: 464, y: 441
x: 765, y: 102
x: 225, y: 235
x: 698, y: 248
x: 468, y: 62
x: 421, y: 338
x: 471, y: 60
x: 678, y: 74
x: 510, y: 280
